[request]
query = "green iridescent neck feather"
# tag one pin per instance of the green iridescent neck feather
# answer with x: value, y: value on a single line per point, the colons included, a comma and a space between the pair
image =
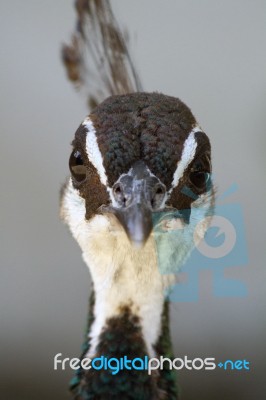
x: 123, y: 337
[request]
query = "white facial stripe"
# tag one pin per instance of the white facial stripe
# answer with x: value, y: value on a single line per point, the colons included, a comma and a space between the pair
x: 189, y: 150
x: 93, y: 150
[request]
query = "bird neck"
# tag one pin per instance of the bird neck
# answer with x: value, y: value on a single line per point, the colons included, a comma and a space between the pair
x: 127, y: 284
x: 123, y: 337
x: 128, y: 315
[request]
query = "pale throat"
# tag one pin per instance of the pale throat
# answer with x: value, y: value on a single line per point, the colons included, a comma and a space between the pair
x: 123, y: 277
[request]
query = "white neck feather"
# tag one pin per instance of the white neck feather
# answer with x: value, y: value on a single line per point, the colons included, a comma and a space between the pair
x: 121, y: 274
x: 124, y: 276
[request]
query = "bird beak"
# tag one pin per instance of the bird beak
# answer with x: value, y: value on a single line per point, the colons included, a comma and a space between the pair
x: 136, y: 220
x: 136, y: 196
x: 136, y: 217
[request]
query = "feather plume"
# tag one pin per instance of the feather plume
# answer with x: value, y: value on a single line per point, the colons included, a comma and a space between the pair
x: 97, y: 59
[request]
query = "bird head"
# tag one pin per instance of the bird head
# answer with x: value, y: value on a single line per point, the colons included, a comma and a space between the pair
x: 137, y: 158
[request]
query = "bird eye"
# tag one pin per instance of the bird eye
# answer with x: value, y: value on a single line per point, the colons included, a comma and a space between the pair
x: 199, y: 179
x: 200, y: 174
x: 76, y: 166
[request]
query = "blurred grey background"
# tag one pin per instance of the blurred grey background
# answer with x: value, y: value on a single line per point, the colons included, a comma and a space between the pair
x: 212, y: 55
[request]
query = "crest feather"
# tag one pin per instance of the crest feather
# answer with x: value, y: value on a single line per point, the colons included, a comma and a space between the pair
x: 97, y: 59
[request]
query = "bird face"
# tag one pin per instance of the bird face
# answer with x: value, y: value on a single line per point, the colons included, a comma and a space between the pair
x: 137, y: 159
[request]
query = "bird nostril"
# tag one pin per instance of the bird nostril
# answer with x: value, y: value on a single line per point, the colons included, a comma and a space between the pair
x: 159, y: 190
x: 120, y: 195
x: 158, y: 195
x: 117, y: 189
